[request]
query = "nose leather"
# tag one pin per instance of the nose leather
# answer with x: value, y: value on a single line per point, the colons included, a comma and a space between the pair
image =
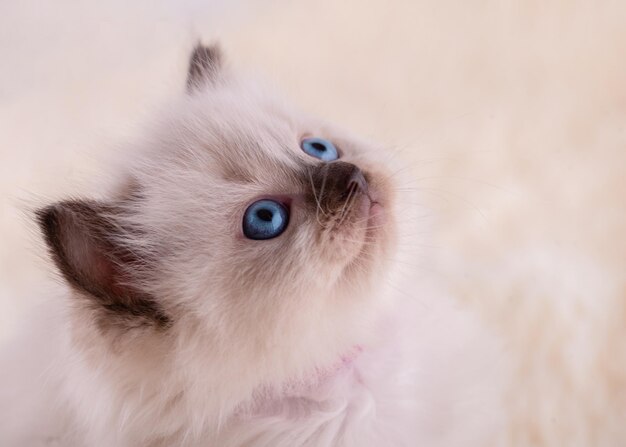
x: 335, y: 182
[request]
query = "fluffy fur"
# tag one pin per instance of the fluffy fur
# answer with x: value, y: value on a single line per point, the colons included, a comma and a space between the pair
x: 177, y: 330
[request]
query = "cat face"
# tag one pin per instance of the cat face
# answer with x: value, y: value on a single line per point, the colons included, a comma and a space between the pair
x: 266, y: 229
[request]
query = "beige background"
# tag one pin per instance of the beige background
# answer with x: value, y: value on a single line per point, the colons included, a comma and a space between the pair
x: 513, y: 118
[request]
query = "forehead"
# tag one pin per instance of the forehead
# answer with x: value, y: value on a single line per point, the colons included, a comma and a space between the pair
x: 243, y: 133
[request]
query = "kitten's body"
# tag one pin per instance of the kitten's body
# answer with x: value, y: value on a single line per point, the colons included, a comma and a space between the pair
x: 177, y: 330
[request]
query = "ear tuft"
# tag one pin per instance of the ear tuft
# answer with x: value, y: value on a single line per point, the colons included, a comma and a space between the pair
x: 86, y: 247
x: 204, y: 66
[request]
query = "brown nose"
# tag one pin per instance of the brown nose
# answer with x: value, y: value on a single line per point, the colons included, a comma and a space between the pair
x: 335, y: 182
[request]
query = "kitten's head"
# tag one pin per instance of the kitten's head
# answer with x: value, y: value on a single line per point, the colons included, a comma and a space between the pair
x: 246, y: 234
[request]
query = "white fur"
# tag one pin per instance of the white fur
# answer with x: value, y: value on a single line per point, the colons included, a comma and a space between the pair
x: 254, y: 355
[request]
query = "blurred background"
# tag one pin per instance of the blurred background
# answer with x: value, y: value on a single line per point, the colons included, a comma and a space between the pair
x: 511, y: 115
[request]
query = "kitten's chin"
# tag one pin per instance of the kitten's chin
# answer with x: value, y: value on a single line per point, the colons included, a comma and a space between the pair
x: 376, y: 213
x: 369, y: 236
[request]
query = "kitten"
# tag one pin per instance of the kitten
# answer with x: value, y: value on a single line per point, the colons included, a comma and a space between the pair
x: 246, y: 285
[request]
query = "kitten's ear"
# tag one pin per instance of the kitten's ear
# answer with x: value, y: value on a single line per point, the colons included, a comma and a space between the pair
x: 205, y: 65
x: 86, y: 246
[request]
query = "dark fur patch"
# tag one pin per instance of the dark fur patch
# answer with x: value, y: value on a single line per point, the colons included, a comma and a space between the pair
x: 204, y: 66
x: 333, y: 183
x: 83, y: 242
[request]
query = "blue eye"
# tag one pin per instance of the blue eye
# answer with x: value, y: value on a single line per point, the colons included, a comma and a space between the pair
x: 320, y: 148
x: 265, y: 219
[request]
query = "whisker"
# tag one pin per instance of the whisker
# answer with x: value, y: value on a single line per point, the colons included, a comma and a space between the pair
x: 341, y: 213
x: 318, y: 207
x: 350, y: 203
x: 323, y: 184
x: 347, y: 206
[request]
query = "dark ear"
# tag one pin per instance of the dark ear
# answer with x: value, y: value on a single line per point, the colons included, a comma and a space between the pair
x: 204, y: 66
x: 86, y: 246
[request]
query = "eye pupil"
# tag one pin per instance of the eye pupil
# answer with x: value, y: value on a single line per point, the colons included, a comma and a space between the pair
x: 320, y: 148
x: 265, y: 215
